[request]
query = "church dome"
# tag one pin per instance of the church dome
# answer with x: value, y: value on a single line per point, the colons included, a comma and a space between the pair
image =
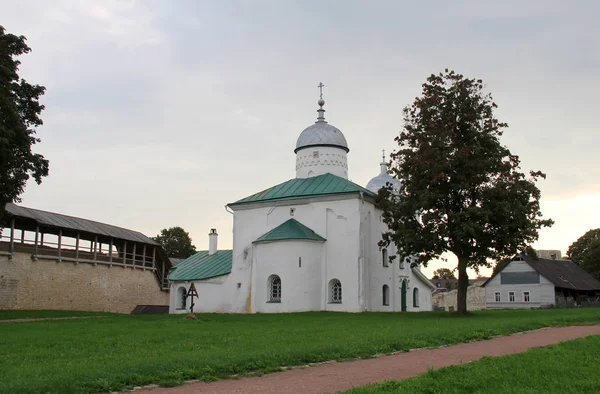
x: 321, y: 134
x: 382, y: 179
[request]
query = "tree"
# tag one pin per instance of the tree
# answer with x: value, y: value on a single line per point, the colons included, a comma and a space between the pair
x: 20, y: 111
x: 586, y: 252
x: 462, y: 190
x: 443, y: 273
x: 176, y: 242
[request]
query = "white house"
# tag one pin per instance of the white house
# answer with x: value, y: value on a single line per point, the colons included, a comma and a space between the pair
x: 307, y: 244
x: 526, y: 282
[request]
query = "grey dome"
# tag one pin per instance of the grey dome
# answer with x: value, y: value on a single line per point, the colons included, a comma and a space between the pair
x: 382, y: 179
x: 321, y: 134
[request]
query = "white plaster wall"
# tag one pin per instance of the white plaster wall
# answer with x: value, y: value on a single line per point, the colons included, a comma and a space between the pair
x: 318, y: 160
x: 540, y: 294
x: 211, y: 297
x: 298, y: 264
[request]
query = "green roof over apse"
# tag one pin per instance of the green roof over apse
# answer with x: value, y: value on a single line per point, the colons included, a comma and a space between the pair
x: 202, y: 266
x: 292, y: 229
x: 321, y: 185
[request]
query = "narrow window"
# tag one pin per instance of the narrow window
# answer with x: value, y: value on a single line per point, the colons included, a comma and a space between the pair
x: 526, y: 296
x: 384, y: 257
x: 511, y: 296
x: 416, y: 297
x: 274, y: 288
x: 182, y: 298
x: 386, y: 295
x: 497, y: 295
x: 400, y: 262
x: 335, y: 291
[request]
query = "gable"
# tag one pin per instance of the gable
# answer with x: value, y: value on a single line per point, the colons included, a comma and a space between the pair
x: 290, y: 229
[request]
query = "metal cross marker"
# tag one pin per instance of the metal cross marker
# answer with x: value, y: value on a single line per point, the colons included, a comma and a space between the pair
x: 321, y: 86
x: 383, y: 154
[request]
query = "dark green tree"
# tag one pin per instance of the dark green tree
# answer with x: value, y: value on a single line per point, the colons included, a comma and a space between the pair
x: 176, y: 242
x: 443, y: 273
x: 20, y: 111
x: 586, y: 252
x: 463, y: 191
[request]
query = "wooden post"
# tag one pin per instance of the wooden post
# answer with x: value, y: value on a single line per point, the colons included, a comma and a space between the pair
x: 110, y: 248
x: 77, y: 249
x: 134, y: 245
x: 37, y: 235
x: 59, y: 243
x: 144, y: 256
x: 22, y: 236
x: 95, y: 246
x: 42, y: 239
x: 12, y: 236
x: 125, y: 253
x: 154, y: 257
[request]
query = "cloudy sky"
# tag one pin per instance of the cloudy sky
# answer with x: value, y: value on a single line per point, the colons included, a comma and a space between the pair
x: 159, y: 113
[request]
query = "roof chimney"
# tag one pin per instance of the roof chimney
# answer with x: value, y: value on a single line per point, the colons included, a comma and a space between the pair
x: 212, y: 241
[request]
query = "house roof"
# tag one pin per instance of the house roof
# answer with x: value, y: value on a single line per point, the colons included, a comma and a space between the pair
x: 562, y: 273
x: 291, y: 229
x: 58, y: 220
x: 321, y: 185
x: 202, y: 266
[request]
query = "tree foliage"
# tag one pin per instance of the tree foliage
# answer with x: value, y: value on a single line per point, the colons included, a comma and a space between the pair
x: 586, y: 252
x: 20, y: 111
x: 176, y: 242
x: 463, y: 191
x: 443, y: 273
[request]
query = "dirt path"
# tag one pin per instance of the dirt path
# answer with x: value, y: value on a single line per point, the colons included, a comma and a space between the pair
x: 332, y: 377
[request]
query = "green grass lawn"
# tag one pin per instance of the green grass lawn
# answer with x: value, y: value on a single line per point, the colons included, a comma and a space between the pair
x: 120, y: 351
x: 569, y: 367
x: 12, y: 315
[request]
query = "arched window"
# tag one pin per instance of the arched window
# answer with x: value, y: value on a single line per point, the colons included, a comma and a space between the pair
x: 274, y: 288
x: 182, y: 295
x: 384, y: 257
x: 335, y: 291
x: 386, y: 295
x: 416, y: 297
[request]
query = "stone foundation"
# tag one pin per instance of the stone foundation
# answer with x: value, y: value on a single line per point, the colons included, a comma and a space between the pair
x: 447, y: 300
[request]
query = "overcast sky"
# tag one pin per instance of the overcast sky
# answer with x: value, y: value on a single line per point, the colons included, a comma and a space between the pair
x: 159, y: 113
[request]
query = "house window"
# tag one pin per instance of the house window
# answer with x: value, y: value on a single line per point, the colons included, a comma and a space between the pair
x: 335, y: 291
x: 511, y: 296
x: 182, y: 298
x: 497, y: 295
x: 386, y: 295
x: 274, y: 288
x: 401, y: 263
x: 526, y: 296
x: 416, y: 297
x: 384, y: 257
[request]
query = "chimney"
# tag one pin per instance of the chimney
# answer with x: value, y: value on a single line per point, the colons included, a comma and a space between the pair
x: 212, y: 241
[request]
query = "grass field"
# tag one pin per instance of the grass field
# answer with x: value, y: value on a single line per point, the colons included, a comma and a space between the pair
x: 569, y: 367
x: 12, y: 315
x: 121, y: 351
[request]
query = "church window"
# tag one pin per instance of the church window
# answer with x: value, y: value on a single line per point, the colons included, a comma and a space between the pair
x: 182, y: 298
x: 416, y: 297
x: 274, y: 288
x: 335, y: 291
x: 401, y: 263
x: 386, y: 295
x: 384, y: 257
x: 316, y: 154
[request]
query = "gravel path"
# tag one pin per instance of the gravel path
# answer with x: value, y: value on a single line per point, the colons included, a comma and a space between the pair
x: 332, y: 377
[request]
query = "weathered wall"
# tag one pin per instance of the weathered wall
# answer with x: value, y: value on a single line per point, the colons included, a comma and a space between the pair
x: 46, y: 284
x: 475, y: 299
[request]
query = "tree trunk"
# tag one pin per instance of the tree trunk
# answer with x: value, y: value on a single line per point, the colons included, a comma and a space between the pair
x: 463, y: 284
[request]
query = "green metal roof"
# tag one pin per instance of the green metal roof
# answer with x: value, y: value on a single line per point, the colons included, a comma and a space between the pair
x: 321, y: 185
x: 292, y: 229
x: 202, y: 266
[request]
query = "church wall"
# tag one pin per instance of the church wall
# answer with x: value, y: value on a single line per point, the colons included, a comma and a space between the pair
x: 320, y: 160
x: 298, y: 265
x: 210, y: 296
x: 336, y: 220
x: 48, y: 284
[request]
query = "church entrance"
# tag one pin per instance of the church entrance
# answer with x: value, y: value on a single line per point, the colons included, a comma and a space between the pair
x: 403, y: 294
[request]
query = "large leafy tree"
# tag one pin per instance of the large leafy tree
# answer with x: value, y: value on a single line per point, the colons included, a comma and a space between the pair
x: 443, y: 273
x: 586, y: 252
x: 463, y: 191
x: 176, y: 242
x: 20, y: 111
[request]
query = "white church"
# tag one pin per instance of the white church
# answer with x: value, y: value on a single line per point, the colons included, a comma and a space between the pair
x: 307, y: 244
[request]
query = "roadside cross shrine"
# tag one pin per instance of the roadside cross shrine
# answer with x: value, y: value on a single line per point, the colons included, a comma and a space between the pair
x: 192, y: 292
